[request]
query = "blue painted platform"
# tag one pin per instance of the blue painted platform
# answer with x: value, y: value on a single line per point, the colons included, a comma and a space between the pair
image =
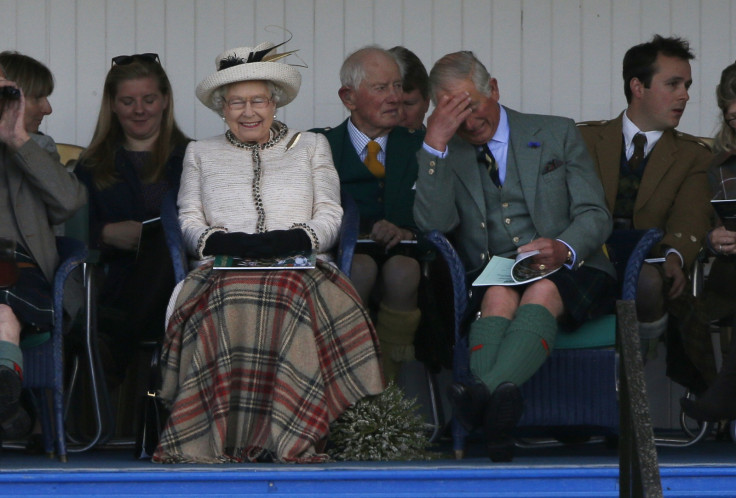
x: 709, y: 469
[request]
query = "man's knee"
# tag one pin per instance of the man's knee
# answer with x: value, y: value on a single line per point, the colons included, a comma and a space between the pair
x: 9, y: 325
x: 363, y: 267
x: 500, y: 301
x: 544, y: 292
x: 401, y: 272
x: 649, y: 294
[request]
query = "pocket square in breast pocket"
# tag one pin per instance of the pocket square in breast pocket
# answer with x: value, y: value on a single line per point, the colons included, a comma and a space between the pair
x: 552, y: 165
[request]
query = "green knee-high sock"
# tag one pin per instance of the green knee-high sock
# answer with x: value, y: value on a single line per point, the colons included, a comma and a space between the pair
x: 396, y: 330
x: 11, y: 355
x: 526, y: 345
x: 484, y: 340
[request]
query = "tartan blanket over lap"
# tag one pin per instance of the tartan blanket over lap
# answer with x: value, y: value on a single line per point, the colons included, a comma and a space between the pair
x: 257, y: 364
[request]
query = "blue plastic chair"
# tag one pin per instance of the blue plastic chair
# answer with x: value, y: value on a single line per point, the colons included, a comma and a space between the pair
x: 577, y: 385
x: 44, y: 363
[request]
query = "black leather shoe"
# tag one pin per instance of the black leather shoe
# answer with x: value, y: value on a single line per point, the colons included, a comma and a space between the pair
x: 10, y: 388
x: 469, y: 403
x: 502, y: 414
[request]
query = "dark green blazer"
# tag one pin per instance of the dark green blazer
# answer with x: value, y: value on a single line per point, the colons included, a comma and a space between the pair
x: 390, y: 198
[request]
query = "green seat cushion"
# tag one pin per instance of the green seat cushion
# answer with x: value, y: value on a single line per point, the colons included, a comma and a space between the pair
x: 597, y: 333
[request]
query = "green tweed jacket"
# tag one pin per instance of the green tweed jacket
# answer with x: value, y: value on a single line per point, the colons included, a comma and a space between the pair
x: 562, y: 192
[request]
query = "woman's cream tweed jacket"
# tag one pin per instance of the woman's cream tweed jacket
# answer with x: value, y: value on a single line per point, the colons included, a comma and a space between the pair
x: 298, y: 186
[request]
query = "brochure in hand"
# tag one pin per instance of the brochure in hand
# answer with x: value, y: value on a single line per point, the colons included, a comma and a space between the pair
x: 149, y: 230
x: 509, y: 271
x: 300, y: 261
x: 726, y: 209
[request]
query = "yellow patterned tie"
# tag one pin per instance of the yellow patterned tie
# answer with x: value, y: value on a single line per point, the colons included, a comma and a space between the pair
x: 372, y: 162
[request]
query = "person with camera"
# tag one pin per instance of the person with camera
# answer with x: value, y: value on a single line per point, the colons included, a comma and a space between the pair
x: 36, y: 192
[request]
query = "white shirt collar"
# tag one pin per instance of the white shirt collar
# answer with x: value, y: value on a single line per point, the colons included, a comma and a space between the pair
x: 630, y: 129
x: 360, y: 141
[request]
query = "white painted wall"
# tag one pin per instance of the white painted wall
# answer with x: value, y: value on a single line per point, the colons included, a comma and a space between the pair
x: 550, y: 56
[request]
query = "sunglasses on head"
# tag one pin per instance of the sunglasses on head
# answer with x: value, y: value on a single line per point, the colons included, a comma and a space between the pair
x: 122, y: 60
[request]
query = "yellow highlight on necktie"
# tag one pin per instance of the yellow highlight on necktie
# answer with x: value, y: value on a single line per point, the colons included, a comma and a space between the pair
x: 371, y: 162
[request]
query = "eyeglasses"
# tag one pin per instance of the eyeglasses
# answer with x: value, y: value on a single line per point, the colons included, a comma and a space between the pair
x: 123, y: 60
x: 255, y: 103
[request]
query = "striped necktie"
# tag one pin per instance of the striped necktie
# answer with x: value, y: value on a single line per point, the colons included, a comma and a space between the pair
x: 485, y: 156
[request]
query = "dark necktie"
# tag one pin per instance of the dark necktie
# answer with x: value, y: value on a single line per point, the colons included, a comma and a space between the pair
x: 640, y: 142
x: 485, y: 156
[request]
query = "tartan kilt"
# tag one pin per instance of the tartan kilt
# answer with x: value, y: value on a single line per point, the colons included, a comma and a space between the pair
x: 257, y: 364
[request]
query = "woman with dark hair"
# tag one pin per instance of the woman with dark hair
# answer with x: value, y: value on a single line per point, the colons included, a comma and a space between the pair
x: 719, y: 295
x: 134, y: 159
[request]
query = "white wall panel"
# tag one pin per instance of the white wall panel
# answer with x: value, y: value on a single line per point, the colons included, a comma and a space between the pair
x: 179, y: 38
x: 712, y: 51
x: 560, y: 56
x: 685, y: 22
x: 92, y: 63
x: 417, y: 31
x: 329, y: 50
x: 150, y: 27
x: 62, y: 58
x: 387, y: 22
x: 299, y: 19
x: 565, y: 85
x: 209, y: 37
x: 505, y: 61
x: 477, y: 32
x: 598, y: 63
x: 9, y: 8
x: 626, y: 26
x: 655, y: 17
x: 536, y: 61
x: 33, y: 39
x: 446, y: 25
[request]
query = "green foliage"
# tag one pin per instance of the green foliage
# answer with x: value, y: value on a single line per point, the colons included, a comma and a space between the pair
x: 383, y: 427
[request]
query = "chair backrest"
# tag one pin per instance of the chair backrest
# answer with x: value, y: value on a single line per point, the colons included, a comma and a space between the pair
x: 627, y: 250
x: 174, y: 237
x: 348, y: 232
x: 68, y: 152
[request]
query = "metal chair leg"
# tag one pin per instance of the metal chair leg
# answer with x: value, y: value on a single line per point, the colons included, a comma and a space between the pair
x: 100, y: 398
x: 435, y: 404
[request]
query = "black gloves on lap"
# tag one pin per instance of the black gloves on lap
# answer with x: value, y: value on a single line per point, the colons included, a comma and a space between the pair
x: 257, y: 245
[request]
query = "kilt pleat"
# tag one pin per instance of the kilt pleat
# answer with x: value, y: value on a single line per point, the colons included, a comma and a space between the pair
x: 257, y: 364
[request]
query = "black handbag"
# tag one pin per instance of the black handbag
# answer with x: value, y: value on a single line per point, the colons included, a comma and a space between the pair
x: 153, y: 413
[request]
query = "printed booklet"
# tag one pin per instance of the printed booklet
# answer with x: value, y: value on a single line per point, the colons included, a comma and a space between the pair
x: 726, y: 209
x: 510, y: 271
x: 300, y: 261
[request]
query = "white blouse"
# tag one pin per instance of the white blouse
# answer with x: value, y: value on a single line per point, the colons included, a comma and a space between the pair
x: 298, y: 186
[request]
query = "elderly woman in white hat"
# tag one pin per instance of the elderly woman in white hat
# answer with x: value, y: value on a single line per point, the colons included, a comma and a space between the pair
x: 258, y: 363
